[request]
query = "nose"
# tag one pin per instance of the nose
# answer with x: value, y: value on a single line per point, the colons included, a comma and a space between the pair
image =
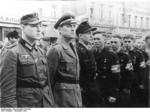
x: 38, y: 28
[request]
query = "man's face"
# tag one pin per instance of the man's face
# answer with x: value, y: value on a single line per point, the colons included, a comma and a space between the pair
x: 32, y: 31
x: 86, y: 37
x: 68, y: 31
x: 128, y: 43
x: 115, y: 44
x: 107, y: 44
x: 140, y: 44
x: 98, y: 40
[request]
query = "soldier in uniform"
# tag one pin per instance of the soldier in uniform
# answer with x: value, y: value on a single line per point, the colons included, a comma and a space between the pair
x: 87, y: 64
x: 147, y: 50
x: 138, y: 62
x: 126, y: 68
x: 24, y: 69
x: 64, y: 65
x: 140, y: 46
x: 108, y: 78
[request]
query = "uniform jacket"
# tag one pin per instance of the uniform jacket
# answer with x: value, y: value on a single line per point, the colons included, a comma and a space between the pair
x: 87, y: 64
x: 126, y: 68
x: 108, y: 67
x: 64, y: 73
x: 24, y: 77
x: 139, y: 65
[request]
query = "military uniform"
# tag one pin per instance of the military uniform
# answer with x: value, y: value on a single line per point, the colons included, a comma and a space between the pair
x: 145, y: 91
x: 64, y: 71
x: 87, y: 75
x: 148, y: 71
x: 126, y: 67
x: 108, y: 78
x: 24, y: 77
x: 138, y: 77
x: 64, y: 67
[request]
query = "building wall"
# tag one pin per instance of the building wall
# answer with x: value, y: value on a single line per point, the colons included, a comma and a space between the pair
x: 115, y: 15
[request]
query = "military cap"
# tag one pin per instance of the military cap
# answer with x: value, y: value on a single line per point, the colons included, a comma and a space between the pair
x: 84, y: 27
x: 65, y: 19
x: 30, y: 19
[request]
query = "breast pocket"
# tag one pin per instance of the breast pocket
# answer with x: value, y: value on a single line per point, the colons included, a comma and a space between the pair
x: 26, y: 66
x: 67, y: 65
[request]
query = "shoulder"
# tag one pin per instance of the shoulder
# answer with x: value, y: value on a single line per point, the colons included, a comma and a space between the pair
x: 55, y: 49
x: 13, y: 48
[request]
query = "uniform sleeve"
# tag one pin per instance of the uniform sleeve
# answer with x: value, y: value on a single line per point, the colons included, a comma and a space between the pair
x: 53, y: 60
x: 128, y: 73
x: 115, y: 69
x: 142, y: 68
x: 8, y: 68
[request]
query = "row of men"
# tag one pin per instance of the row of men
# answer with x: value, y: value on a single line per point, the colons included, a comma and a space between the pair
x: 80, y: 70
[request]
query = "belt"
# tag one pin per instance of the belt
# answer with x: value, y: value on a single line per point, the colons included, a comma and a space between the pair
x: 24, y: 84
x: 70, y: 81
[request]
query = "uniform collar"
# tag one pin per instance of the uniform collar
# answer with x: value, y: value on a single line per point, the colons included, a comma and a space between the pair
x: 64, y: 44
x: 27, y: 45
x: 83, y: 44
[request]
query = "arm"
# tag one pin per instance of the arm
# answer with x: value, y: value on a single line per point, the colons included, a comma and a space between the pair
x: 53, y: 61
x: 115, y: 69
x: 8, y: 70
x: 142, y: 69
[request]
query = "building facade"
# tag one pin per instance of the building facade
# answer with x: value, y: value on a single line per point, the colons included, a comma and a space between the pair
x: 8, y: 24
x: 121, y: 17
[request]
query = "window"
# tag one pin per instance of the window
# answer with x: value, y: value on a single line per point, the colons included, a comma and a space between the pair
x: 135, y: 21
x: 110, y: 11
x: 53, y: 11
x: 129, y: 20
x: 141, y: 26
x: 122, y: 19
x: 147, y: 23
x: 91, y: 12
x: 102, y: 8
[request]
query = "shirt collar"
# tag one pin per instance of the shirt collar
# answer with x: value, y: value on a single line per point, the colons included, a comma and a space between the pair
x: 28, y: 45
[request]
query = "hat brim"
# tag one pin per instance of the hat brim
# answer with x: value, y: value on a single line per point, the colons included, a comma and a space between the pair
x: 34, y: 22
x: 90, y: 29
x: 68, y: 22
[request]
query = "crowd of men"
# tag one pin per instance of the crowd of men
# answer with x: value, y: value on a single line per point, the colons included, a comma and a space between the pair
x: 83, y: 68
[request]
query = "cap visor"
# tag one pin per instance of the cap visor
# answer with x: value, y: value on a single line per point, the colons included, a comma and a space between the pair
x: 35, y: 22
x: 90, y: 29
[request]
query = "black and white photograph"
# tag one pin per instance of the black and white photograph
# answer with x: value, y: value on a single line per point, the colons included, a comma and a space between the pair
x: 74, y: 54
